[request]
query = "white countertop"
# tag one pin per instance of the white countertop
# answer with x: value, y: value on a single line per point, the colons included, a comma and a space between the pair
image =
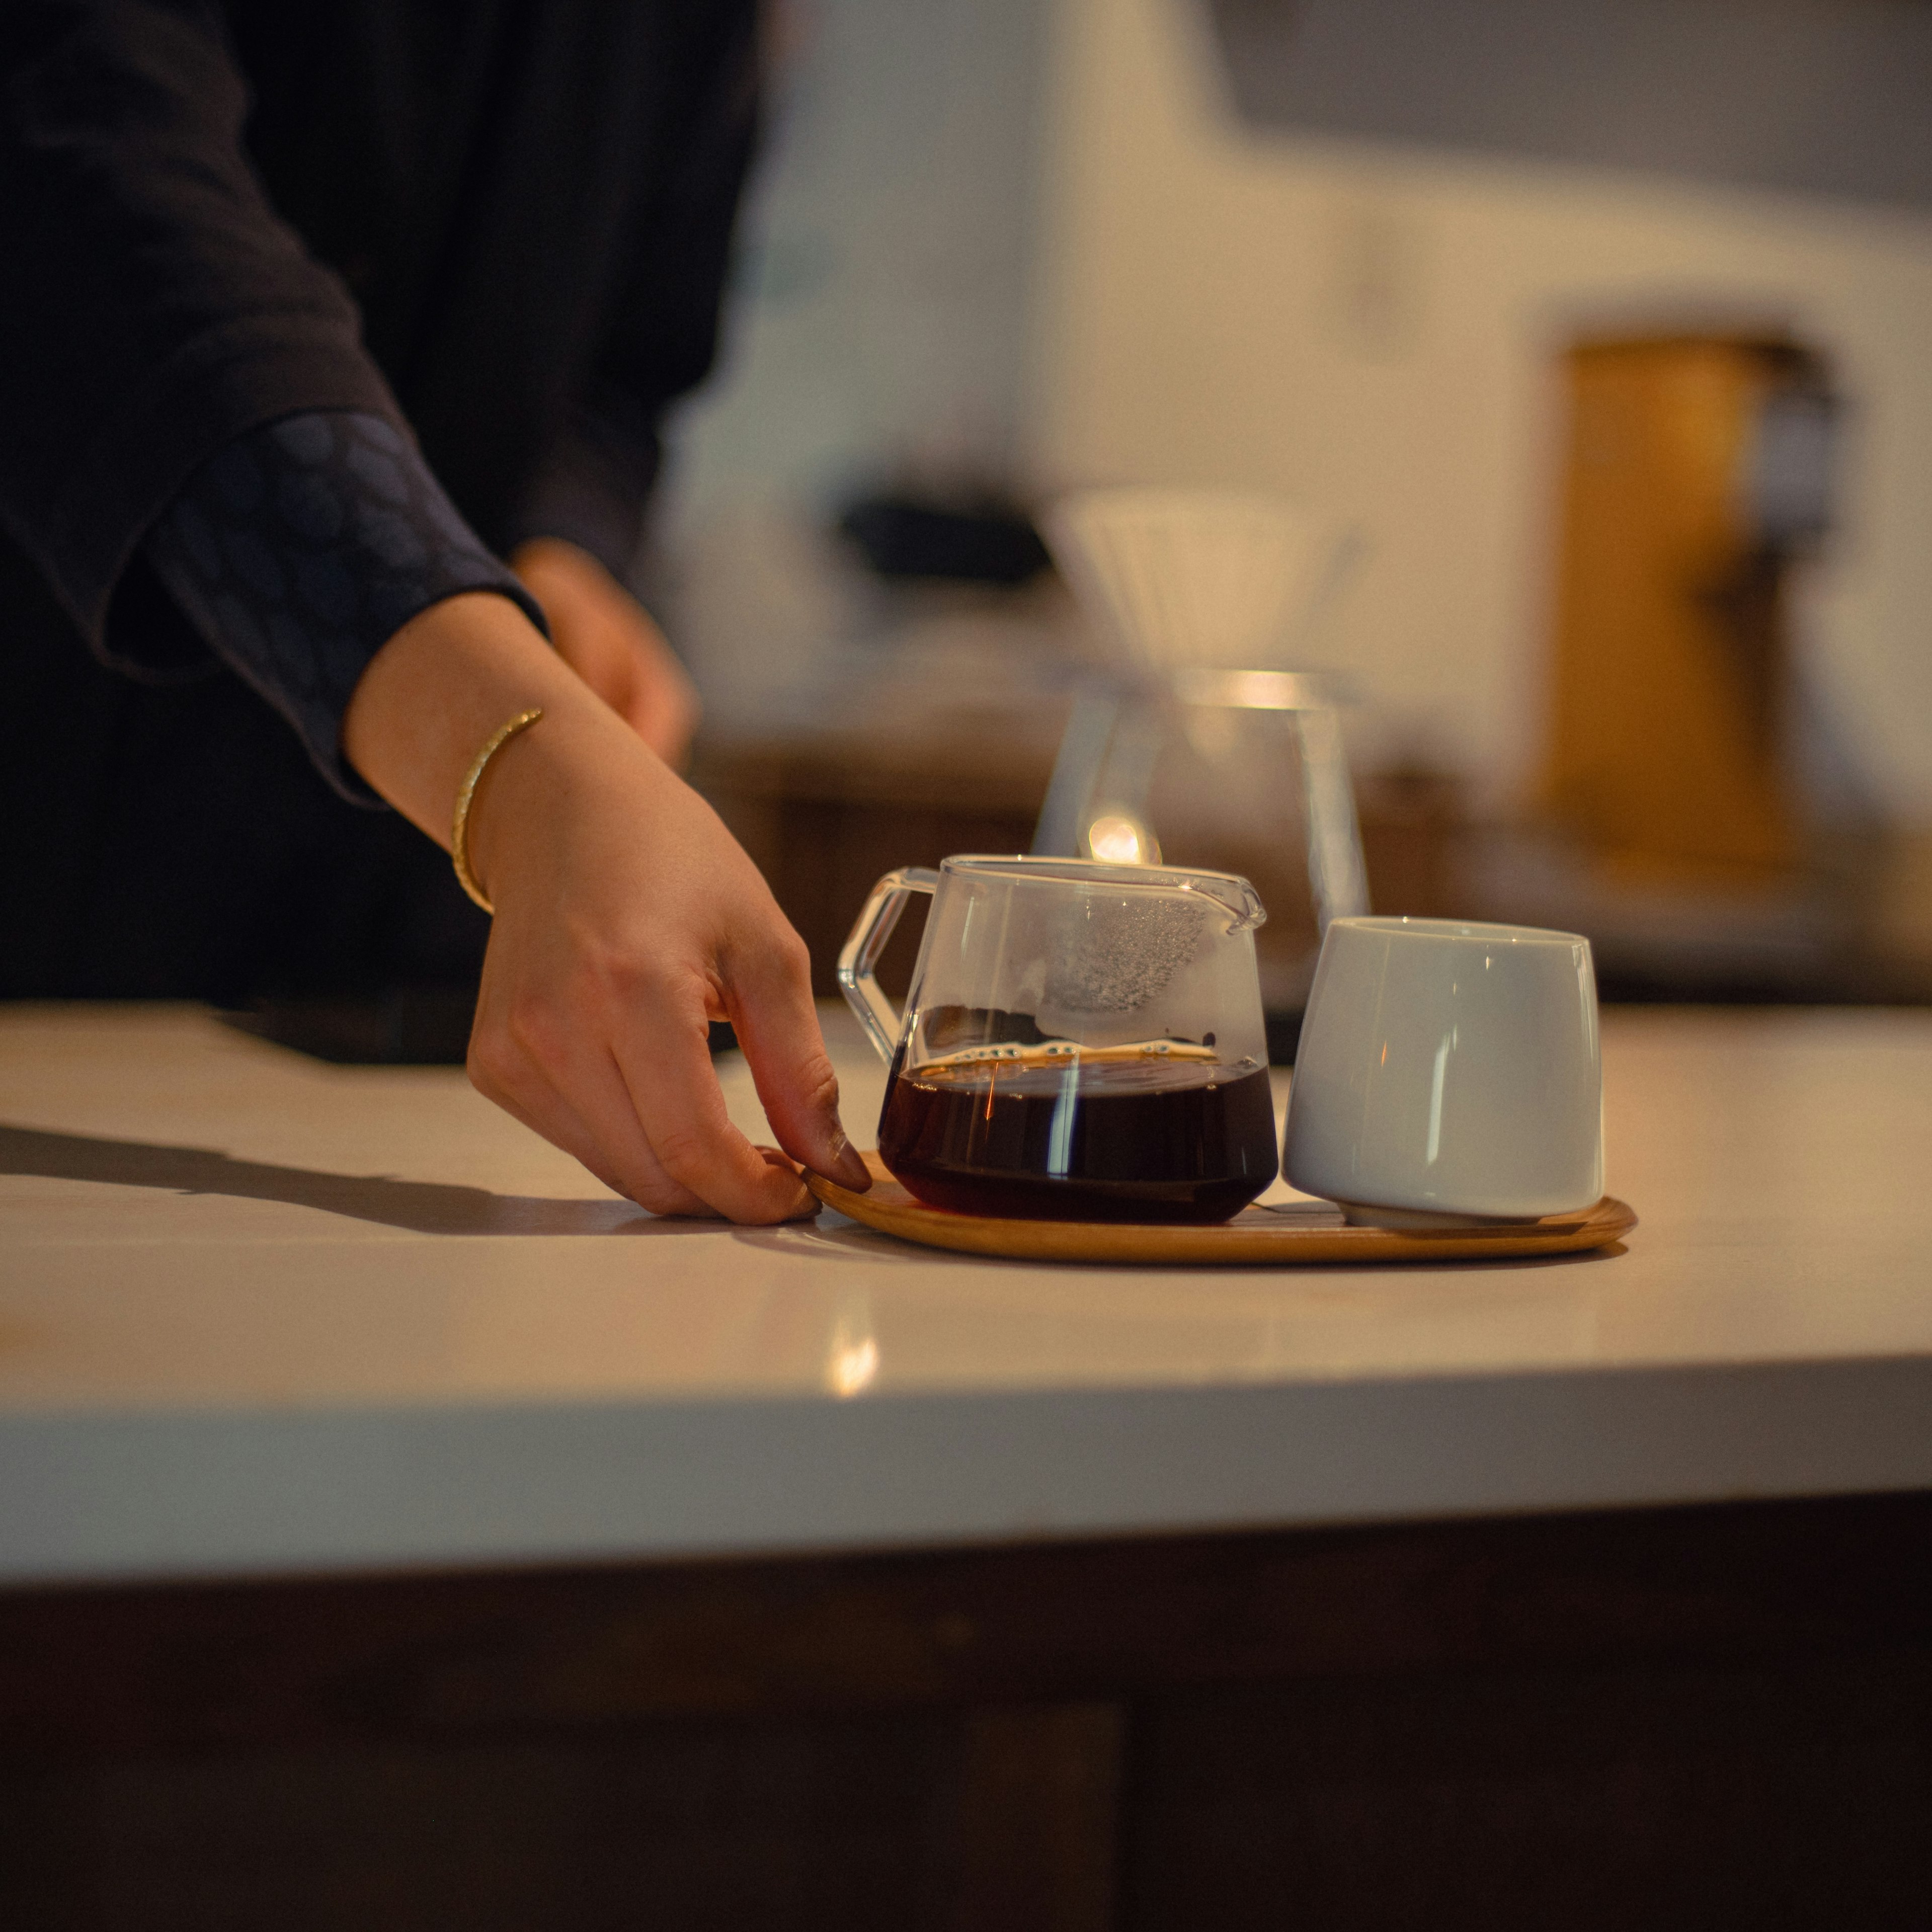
x: 261, y: 1315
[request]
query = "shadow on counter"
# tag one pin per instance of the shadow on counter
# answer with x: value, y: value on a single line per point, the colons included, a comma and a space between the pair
x: 417, y: 1207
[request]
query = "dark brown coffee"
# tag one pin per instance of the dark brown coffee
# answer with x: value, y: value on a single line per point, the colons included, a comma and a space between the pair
x: 1147, y: 1140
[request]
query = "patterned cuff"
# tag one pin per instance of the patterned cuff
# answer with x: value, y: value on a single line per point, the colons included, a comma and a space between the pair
x: 302, y: 547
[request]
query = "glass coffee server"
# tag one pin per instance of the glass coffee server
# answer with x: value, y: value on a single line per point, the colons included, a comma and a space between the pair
x: 1081, y: 1040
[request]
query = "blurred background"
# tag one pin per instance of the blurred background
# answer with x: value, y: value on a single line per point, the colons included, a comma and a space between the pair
x: 1602, y: 328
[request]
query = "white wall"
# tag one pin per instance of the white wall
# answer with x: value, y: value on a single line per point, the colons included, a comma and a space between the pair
x: 1371, y: 329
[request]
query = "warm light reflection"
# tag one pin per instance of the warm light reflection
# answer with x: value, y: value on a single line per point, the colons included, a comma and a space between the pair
x: 850, y: 1369
x: 1121, y: 841
x: 852, y: 1349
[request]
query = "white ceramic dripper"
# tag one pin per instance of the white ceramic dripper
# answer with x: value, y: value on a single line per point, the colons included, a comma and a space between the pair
x: 1206, y: 597
x: 1223, y: 579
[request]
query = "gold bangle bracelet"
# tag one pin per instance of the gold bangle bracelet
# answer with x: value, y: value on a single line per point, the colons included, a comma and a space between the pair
x: 459, y: 835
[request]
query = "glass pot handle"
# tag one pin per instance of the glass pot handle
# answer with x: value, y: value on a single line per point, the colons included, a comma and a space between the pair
x: 861, y: 952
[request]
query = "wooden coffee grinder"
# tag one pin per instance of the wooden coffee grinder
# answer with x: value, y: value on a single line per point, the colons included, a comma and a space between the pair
x: 1697, y: 471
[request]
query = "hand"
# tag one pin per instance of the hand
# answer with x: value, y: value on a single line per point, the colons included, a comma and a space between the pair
x: 627, y: 919
x: 608, y: 638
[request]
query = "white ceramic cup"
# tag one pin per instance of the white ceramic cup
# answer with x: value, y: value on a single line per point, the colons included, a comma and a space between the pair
x: 1448, y: 1071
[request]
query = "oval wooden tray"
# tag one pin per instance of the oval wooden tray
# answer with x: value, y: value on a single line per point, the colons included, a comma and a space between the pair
x: 1296, y: 1234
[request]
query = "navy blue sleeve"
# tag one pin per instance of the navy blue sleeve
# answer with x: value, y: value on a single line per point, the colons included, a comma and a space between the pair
x: 299, y: 550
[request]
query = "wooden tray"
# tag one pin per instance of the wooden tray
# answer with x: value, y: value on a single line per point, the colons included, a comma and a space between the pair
x: 1298, y: 1234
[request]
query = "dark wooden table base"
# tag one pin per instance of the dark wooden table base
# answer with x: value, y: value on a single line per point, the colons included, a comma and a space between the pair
x: 1657, y: 1719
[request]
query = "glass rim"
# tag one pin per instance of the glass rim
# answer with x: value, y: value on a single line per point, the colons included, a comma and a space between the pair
x: 1023, y: 865
x: 1234, y: 894
x: 1474, y: 931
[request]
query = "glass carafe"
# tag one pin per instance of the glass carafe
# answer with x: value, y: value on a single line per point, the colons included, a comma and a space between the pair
x: 1082, y: 1041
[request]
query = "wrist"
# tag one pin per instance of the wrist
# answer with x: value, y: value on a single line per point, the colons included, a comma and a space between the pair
x: 431, y: 697
x: 578, y: 764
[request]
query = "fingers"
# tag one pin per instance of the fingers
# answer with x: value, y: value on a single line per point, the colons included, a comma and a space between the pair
x: 601, y: 1130
x: 644, y: 1113
x: 777, y: 1025
x: 665, y: 708
x: 775, y: 1157
x: 667, y: 1070
x: 557, y: 1123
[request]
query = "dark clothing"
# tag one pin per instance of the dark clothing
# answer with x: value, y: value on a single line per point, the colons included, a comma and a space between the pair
x: 301, y: 548
x: 502, y: 225
x: 174, y: 841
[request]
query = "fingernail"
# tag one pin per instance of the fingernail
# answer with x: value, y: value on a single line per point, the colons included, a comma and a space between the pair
x: 850, y: 1163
